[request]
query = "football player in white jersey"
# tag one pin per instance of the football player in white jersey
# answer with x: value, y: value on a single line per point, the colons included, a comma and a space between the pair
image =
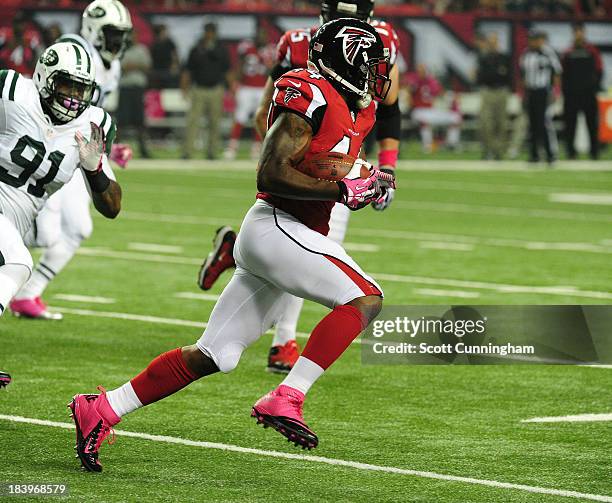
x: 65, y: 222
x: 48, y: 131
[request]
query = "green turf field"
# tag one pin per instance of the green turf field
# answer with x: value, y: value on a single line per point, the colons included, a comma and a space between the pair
x: 488, y: 234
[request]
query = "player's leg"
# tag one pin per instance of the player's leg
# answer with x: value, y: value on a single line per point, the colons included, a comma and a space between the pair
x: 44, y: 233
x: 453, y: 120
x: 256, y: 94
x: 15, y: 268
x: 15, y: 262
x: 423, y: 117
x: 215, y: 110
x: 194, y: 118
x: 245, y: 310
x: 306, y: 264
x: 284, y: 351
x: 76, y: 226
x: 591, y: 114
x: 241, y: 116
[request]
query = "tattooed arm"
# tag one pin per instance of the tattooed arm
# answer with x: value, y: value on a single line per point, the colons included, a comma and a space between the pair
x: 284, y: 146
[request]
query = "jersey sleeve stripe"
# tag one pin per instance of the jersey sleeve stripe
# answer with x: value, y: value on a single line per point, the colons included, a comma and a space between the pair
x: 103, y: 121
x: 3, y: 74
x: 110, y: 123
x: 11, y: 95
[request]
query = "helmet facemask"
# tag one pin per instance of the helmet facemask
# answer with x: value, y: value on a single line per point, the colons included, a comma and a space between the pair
x: 370, y: 80
x: 114, y: 42
x: 66, y: 96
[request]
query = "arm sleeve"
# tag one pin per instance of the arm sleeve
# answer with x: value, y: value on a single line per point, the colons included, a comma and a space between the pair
x: 306, y: 100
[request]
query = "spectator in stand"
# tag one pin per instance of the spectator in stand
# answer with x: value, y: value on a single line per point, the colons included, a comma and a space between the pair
x: 494, y: 81
x: 19, y: 47
x: 255, y: 60
x: 50, y: 34
x: 135, y: 67
x: 582, y: 72
x: 424, y: 88
x: 164, y: 58
x: 202, y: 82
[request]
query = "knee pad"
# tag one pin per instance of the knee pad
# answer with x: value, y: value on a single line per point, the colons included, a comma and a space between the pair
x: 226, y: 358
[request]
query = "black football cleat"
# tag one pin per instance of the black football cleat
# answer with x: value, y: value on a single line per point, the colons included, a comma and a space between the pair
x: 5, y: 379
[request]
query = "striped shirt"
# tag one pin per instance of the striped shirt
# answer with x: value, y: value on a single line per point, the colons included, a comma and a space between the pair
x: 538, y: 68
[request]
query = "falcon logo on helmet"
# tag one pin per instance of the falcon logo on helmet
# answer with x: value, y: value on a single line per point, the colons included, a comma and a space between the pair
x: 354, y: 40
x: 291, y: 94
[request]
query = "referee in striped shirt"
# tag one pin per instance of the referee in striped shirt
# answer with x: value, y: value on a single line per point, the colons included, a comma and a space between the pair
x: 540, y: 71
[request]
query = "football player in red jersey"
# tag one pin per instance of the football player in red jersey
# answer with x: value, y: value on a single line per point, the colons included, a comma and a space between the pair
x: 292, y: 52
x: 256, y: 59
x: 282, y: 248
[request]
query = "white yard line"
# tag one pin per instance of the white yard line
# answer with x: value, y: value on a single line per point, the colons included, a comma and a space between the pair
x: 155, y: 247
x: 602, y: 199
x: 361, y: 247
x: 177, y: 219
x: 579, y: 418
x: 130, y: 317
x: 445, y: 245
x: 503, y: 211
x: 498, y: 287
x: 604, y: 246
x: 446, y: 293
x: 84, y: 298
x: 570, y: 290
x: 142, y: 257
x: 196, y: 296
x: 307, y: 458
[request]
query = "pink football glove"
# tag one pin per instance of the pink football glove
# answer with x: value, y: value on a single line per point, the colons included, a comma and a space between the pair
x: 121, y: 154
x: 357, y: 192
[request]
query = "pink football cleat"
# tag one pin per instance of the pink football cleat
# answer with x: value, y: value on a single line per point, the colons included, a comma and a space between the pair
x: 94, y: 418
x: 33, y: 308
x: 282, y: 409
x: 219, y: 259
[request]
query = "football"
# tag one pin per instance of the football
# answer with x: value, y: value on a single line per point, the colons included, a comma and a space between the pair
x: 331, y: 166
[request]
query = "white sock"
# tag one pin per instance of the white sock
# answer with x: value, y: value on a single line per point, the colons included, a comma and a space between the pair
x: 55, y: 258
x: 303, y: 375
x: 286, y: 326
x: 123, y: 400
x: 452, y: 136
x: 12, y: 277
x: 427, y: 138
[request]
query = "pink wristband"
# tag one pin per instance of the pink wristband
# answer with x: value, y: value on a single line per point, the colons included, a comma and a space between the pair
x: 387, y: 158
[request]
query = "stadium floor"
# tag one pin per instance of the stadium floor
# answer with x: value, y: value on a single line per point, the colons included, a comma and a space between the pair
x: 458, y: 232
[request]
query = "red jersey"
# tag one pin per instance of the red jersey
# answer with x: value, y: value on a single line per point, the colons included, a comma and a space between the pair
x: 423, y: 90
x: 256, y: 63
x: 292, y: 49
x: 335, y: 128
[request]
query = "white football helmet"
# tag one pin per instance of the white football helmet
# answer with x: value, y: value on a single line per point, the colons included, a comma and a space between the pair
x: 107, y: 26
x: 65, y: 78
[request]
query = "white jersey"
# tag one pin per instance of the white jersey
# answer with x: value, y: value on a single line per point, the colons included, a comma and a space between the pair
x: 37, y: 157
x: 107, y: 78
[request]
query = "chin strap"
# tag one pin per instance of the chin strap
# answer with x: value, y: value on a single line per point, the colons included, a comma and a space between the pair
x: 364, y: 99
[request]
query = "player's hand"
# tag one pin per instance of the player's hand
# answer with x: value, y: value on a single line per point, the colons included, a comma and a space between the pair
x: 91, y: 151
x: 385, y: 200
x: 121, y: 154
x: 357, y: 192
